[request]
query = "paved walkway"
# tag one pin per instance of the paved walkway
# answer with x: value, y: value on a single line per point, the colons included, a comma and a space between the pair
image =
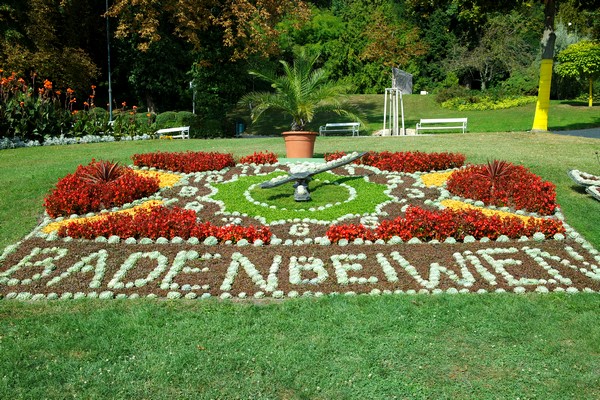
x: 589, y: 133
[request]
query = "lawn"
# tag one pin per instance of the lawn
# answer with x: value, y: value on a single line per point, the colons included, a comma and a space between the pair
x: 408, y: 346
x: 564, y: 115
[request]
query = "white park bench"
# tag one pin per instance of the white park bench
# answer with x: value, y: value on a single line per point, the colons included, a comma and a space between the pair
x: 183, y: 132
x: 340, y: 127
x: 442, y: 124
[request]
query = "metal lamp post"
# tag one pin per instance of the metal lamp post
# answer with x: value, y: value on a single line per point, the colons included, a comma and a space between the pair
x: 110, y: 111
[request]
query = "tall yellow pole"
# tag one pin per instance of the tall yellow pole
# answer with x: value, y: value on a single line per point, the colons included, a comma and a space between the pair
x: 591, y: 99
x: 540, y: 121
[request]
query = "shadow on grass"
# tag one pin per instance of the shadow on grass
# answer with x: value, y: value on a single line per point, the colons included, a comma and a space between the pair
x: 578, y: 189
x: 578, y: 126
x: 576, y: 103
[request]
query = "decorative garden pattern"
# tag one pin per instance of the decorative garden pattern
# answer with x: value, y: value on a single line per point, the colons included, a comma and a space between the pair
x: 215, y: 233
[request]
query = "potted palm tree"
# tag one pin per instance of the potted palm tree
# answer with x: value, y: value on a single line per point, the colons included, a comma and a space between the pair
x: 301, y: 92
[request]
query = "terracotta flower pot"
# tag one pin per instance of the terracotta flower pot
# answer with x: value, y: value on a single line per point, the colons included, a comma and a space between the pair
x: 299, y: 144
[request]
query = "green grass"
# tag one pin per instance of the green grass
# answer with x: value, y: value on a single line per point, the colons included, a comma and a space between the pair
x: 326, y: 190
x: 442, y: 347
x: 564, y: 115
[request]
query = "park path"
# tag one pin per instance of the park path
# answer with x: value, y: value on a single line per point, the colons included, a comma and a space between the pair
x: 589, y: 133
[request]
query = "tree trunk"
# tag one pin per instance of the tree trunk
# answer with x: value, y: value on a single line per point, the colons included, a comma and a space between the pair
x: 540, y: 120
x: 150, y: 103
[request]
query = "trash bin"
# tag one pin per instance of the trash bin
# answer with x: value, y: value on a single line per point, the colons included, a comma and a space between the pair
x: 240, y: 128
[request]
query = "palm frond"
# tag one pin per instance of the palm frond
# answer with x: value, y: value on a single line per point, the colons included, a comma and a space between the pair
x: 301, y: 91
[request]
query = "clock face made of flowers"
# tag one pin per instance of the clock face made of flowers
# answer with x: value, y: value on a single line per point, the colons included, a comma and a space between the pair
x: 300, y: 258
x: 350, y: 194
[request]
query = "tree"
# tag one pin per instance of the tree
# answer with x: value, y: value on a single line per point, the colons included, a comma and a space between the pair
x: 475, y: 10
x: 581, y: 60
x: 248, y: 26
x: 540, y: 119
x: 302, y: 91
x: 53, y: 38
x: 502, y: 49
x: 359, y: 41
x: 157, y: 78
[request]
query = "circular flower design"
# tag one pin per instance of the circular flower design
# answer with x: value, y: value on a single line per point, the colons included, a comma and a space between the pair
x: 332, y: 196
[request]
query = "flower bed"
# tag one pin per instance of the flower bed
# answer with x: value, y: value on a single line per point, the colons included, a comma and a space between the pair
x: 441, y: 225
x: 184, y: 162
x: 409, y: 161
x: 260, y: 158
x: 158, y: 221
x: 594, y: 191
x: 87, y: 191
x: 583, y: 178
x: 217, y: 234
x: 515, y: 186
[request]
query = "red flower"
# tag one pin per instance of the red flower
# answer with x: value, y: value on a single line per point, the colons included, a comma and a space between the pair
x: 76, y: 194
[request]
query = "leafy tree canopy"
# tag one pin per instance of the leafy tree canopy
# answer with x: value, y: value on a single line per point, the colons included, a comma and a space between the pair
x: 49, y: 37
x: 248, y: 26
x: 581, y: 60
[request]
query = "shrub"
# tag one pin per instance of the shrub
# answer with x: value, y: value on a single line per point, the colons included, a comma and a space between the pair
x: 186, y: 118
x: 78, y: 194
x: 212, y: 128
x: 184, y: 161
x: 260, y: 158
x: 94, y: 121
x: 409, y: 161
x: 452, y: 92
x: 166, y: 119
x: 517, y: 188
x: 428, y: 225
x: 159, y: 221
x: 486, y: 103
x: 522, y: 82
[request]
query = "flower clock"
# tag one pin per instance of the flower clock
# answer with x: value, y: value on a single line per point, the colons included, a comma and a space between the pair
x: 199, y: 225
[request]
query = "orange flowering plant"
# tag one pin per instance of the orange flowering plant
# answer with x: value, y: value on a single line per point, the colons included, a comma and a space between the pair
x: 30, y: 111
x: 34, y: 111
x: 91, y: 120
x: 129, y: 122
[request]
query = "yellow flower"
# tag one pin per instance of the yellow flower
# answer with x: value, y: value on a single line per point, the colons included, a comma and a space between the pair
x: 436, y: 178
x: 460, y: 205
x: 164, y: 179
x: 54, y: 226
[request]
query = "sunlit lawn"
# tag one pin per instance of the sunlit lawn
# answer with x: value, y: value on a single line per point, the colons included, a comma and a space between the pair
x: 443, y: 347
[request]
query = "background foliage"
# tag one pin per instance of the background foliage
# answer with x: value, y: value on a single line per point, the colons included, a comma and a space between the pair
x: 167, y: 55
